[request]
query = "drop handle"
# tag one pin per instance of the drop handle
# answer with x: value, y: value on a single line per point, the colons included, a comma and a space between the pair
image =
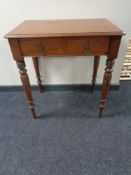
x: 87, y: 49
x: 41, y: 50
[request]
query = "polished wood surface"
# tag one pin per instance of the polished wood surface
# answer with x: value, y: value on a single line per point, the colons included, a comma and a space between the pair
x: 61, y: 28
x: 63, y: 38
x: 37, y: 71
x: 95, y: 69
x: 112, y: 55
x: 64, y: 46
x: 26, y: 85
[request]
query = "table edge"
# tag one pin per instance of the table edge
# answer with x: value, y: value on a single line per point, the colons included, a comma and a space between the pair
x: 65, y: 35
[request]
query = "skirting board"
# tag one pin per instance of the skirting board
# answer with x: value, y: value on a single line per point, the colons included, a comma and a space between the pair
x: 70, y: 87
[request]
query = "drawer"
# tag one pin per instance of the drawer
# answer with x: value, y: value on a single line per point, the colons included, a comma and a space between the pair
x: 75, y: 46
x: 88, y: 46
x: 40, y: 46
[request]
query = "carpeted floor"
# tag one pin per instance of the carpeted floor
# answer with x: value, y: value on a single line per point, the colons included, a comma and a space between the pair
x: 68, y: 138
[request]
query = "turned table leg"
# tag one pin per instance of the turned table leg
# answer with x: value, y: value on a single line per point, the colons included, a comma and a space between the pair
x: 26, y: 85
x: 36, y: 66
x: 95, y: 69
x: 106, y: 84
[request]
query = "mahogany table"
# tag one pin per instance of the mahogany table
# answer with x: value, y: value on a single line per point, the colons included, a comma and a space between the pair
x: 79, y: 37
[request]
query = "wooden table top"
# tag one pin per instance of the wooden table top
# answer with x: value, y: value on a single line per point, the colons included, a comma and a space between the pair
x: 64, y: 28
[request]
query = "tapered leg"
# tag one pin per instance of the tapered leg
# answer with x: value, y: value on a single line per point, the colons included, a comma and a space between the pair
x: 106, y: 84
x: 26, y: 85
x: 95, y: 69
x: 36, y: 66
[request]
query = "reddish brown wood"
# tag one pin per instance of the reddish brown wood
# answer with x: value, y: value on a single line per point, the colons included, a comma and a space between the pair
x: 64, y: 28
x: 106, y: 84
x: 65, y: 46
x: 87, y: 45
x: 15, y: 48
x: 26, y: 85
x: 64, y: 38
x: 114, y: 46
x: 95, y: 69
x: 113, y: 52
x: 36, y: 66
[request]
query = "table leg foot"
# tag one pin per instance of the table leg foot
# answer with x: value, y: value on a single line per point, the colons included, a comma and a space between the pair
x: 33, y: 112
x: 101, y: 108
x: 100, y: 112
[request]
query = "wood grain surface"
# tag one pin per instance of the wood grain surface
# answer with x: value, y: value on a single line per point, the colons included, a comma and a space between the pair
x: 74, y: 27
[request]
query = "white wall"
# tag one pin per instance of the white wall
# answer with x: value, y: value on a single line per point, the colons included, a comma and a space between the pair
x: 60, y: 70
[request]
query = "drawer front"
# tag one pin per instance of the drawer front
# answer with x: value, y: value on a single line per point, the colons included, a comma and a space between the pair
x: 81, y: 46
x: 88, y: 46
x: 39, y: 46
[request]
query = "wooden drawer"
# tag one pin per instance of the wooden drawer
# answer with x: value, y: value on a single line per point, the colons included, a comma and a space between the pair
x: 80, y: 46
x: 88, y: 46
x: 40, y: 46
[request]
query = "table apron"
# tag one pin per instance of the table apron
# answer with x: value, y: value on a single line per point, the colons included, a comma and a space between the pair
x: 69, y: 46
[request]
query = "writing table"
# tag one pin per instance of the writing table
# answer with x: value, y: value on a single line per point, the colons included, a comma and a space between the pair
x: 77, y: 37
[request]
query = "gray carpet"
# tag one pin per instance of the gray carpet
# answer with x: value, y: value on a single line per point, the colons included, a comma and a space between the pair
x: 68, y: 138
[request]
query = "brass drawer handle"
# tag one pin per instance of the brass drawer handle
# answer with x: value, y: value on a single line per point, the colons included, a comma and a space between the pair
x: 41, y: 50
x: 88, y: 49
